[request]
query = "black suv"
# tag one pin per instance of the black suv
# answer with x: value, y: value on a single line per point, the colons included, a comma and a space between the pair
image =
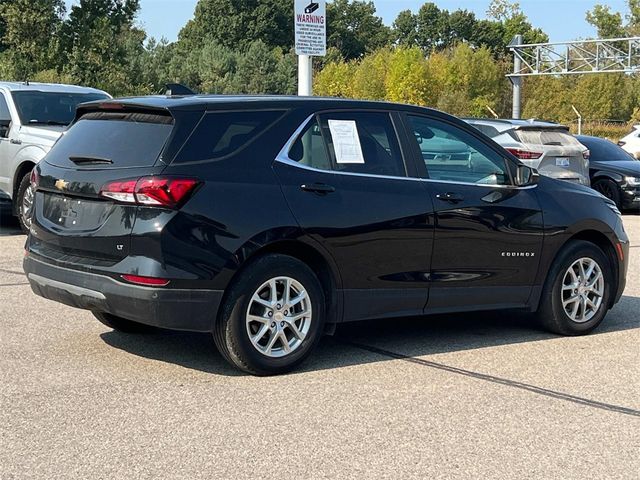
x: 268, y: 220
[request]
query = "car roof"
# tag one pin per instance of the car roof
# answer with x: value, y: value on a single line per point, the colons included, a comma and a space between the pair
x: 503, y: 124
x: 214, y: 102
x: 47, y: 87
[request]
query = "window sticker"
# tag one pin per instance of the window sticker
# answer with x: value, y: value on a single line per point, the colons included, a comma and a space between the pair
x: 346, y: 141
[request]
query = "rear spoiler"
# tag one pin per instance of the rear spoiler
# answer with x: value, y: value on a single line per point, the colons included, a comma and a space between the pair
x: 114, y: 106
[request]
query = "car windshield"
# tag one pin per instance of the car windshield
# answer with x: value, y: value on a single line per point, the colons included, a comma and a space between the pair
x: 50, y: 108
x: 605, y: 151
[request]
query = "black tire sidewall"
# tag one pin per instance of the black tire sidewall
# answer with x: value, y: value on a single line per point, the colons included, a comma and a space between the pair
x: 560, y: 321
x: 232, y: 324
x: 22, y: 188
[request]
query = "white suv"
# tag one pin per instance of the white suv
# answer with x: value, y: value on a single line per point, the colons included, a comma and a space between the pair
x: 631, y: 143
x: 32, y: 118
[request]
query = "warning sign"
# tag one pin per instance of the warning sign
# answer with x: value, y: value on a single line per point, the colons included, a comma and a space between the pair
x: 311, y: 27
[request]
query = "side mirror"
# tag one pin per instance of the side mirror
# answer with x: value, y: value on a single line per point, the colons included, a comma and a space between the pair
x: 5, y: 125
x: 526, y: 176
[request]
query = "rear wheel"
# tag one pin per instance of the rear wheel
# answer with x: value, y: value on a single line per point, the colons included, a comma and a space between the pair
x: 609, y: 189
x: 120, y: 324
x: 273, y: 316
x: 576, y: 296
x: 24, y: 202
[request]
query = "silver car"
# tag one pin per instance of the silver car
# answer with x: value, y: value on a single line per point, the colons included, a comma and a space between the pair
x: 548, y: 147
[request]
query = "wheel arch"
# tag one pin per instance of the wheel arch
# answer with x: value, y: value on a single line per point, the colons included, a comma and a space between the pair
x: 24, y: 168
x: 604, y: 243
x: 312, y: 256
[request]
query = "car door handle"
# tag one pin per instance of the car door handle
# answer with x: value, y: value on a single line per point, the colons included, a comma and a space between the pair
x: 450, y: 197
x: 320, y: 188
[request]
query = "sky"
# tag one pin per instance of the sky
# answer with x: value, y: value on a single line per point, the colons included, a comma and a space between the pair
x: 563, y: 20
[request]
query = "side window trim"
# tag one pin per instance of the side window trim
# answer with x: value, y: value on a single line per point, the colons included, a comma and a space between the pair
x: 398, y: 127
x: 476, y: 134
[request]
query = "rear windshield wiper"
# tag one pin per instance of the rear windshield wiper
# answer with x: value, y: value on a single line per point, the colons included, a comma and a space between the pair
x: 47, y: 122
x: 559, y: 144
x: 90, y: 160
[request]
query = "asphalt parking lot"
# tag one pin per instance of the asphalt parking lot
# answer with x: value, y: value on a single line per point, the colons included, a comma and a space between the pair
x: 472, y: 396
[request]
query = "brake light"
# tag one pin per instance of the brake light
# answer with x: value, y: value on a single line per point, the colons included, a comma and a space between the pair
x: 586, y: 154
x: 154, y: 191
x: 146, y: 281
x: 524, y: 154
x: 34, y: 178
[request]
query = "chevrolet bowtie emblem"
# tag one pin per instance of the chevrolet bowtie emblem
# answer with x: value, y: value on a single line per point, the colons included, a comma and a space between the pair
x: 61, y: 184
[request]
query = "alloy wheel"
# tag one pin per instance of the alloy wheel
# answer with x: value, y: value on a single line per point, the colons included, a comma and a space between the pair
x: 582, y: 290
x: 279, y: 317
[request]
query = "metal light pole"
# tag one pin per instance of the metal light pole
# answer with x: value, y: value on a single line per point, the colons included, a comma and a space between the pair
x: 516, y: 80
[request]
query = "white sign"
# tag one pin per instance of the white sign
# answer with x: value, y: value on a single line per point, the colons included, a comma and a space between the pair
x: 346, y: 141
x: 310, y: 18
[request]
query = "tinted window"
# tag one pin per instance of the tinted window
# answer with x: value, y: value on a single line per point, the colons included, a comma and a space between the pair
x: 50, y: 108
x: 126, y: 140
x: 547, y: 137
x: 604, y: 150
x: 4, y: 108
x: 451, y: 154
x: 488, y: 130
x: 223, y: 133
x: 357, y: 142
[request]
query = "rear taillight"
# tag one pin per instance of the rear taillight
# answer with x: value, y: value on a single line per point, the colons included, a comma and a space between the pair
x: 586, y: 154
x: 34, y: 178
x: 155, y: 191
x: 146, y: 281
x: 524, y: 154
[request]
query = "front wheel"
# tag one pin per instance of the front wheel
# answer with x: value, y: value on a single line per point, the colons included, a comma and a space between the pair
x: 609, y: 189
x: 272, y: 317
x: 577, y: 293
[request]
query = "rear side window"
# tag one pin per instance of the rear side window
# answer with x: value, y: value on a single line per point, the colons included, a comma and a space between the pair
x: 222, y: 133
x: 488, y: 130
x: 117, y: 140
x: 547, y: 137
x: 355, y: 142
x: 4, y: 108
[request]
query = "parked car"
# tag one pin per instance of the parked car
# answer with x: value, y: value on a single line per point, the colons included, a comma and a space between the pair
x: 268, y: 220
x: 631, y: 142
x: 614, y: 172
x: 547, y: 147
x: 32, y: 117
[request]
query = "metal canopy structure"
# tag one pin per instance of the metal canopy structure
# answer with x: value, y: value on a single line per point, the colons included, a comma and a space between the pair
x: 613, y: 55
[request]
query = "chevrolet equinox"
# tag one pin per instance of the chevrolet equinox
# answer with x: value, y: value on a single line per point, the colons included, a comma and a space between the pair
x: 268, y: 220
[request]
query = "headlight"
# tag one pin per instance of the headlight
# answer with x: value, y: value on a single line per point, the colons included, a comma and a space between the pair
x: 635, y: 181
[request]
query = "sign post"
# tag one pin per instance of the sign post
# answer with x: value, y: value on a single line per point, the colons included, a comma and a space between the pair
x: 310, y: 19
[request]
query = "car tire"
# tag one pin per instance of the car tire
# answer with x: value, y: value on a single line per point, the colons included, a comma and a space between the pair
x: 609, y: 189
x: 123, y: 325
x: 559, y: 316
x: 22, y: 212
x: 259, y: 328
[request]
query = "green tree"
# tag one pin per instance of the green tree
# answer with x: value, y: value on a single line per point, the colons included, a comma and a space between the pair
x: 432, y: 25
x: 354, y: 28
x: 335, y: 80
x: 30, y: 32
x: 101, y: 45
x: 237, y: 23
x: 607, y: 23
x: 405, y: 29
x: 408, y: 79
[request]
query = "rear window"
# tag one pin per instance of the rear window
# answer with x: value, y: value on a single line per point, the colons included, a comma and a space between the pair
x: 222, y: 133
x: 547, y: 137
x: 119, y: 140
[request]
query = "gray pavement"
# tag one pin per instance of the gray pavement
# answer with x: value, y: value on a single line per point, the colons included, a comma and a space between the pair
x: 468, y: 396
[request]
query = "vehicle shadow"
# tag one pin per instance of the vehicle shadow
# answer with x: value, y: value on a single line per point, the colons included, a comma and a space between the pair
x: 8, y: 224
x: 411, y: 337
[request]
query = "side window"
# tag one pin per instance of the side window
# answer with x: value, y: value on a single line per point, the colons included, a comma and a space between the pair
x: 222, y: 133
x: 451, y: 154
x: 4, y: 109
x: 356, y: 142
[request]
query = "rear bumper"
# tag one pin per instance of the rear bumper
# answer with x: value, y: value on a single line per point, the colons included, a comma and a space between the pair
x: 176, y: 309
